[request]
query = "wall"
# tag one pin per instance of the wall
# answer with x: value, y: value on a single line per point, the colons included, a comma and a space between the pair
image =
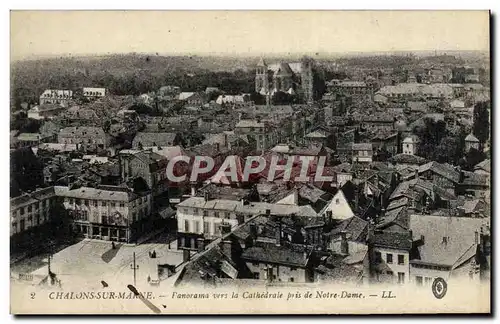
x: 339, y: 206
x: 395, y: 267
x: 283, y: 273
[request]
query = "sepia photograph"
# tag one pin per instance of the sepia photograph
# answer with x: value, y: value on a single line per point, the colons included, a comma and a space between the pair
x: 250, y: 162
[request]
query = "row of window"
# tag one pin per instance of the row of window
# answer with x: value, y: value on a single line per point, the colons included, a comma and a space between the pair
x: 38, y: 220
x: 196, y: 227
x: 205, y: 213
x: 401, y: 276
x: 95, y: 203
x: 389, y: 258
x: 420, y: 280
x: 104, y: 203
x: 34, y: 206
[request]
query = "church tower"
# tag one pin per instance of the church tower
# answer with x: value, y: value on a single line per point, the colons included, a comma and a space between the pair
x: 307, y: 79
x: 261, y: 78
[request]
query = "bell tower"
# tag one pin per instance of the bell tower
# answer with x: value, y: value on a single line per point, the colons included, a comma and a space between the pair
x: 261, y: 78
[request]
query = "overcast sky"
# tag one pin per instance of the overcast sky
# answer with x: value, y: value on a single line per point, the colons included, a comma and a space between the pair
x: 41, y: 33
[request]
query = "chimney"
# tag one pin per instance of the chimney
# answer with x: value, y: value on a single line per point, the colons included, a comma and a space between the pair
x: 411, y: 235
x: 206, y: 196
x: 201, y: 244
x: 253, y: 230
x: 227, y: 247
x: 186, y: 255
x: 344, y: 245
x: 422, y: 238
x: 225, y: 228
x: 476, y: 237
x: 278, y: 233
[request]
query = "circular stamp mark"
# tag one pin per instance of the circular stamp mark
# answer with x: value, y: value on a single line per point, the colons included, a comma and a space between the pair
x: 439, y: 288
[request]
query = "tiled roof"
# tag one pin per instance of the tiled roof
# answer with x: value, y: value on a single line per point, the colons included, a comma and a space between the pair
x: 443, y: 170
x: 354, y: 227
x: 94, y: 193
x: 287, y: 254
x: 446, y: 238
x: 395, y: 240
x: 362, y: 146
x: 407, y: 158
x: 154, y: 139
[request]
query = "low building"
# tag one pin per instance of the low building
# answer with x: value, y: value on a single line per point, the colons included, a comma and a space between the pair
x: 391, y: 255
x: 410, y: 145
x: 94, y: 92
x: 32, y: 139
x: 142, y: 140
x: 88, y: 138
x: 362, y: 152
x: 45, y: 111
x: 471, y: 142
x: 447, y: 247
x: 51, y: 96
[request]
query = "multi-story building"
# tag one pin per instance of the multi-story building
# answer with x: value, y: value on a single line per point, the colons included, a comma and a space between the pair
x: 31, y: 210
x: 351, y: 88
x: 262, y: 132
x: 106, y: 212
x: 410, y: 144
x: 391, y: 256
x: 89, y: 138
x: 199, y: 218
x: 362, y: 152
x: 50, y: 96
x: 146, y: 164
x: 94, y: 92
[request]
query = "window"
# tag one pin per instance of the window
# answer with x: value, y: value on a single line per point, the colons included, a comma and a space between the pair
x: 206, y: 227
x: 337, y: 201
x: 36, y: 206
x: 103, y: 204
x: 293, y: 268
x: 255, y: 264
x: 195, y: 211
x: 216, y: 214
x: 401, y: 277
x: 205, y: 213
x: 401, y: 259
x: 95, y: 203
x: 22, y: 210
x: 87, y: 203
x: 186, y: 226
x: 428, y: 280
x: 256, y: 275
x: 291, y: 279
x: 22, y: 225
x: 378, y: 257
x: 418, y: 280
x: 104, y: 219
x: 113, y: 204
x: 390, y: 273
x: 196, y: 227
x: 122, y: 205
x: 29, y: 209
x: 389, y: 257
x: 14, y: 226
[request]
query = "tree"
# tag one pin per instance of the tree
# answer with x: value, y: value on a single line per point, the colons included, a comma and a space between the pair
x: 448, y: 150
x: 283, y: 98
x: 257, y: 98
x: 472, y: 158
x: 430, y: 135
x: 481, y: 126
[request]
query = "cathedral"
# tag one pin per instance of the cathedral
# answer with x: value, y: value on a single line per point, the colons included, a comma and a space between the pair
x: 292, y: 78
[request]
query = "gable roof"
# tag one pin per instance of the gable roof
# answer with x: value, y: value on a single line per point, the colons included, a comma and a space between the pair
x: 458, y: 231
x: 154, y: 139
